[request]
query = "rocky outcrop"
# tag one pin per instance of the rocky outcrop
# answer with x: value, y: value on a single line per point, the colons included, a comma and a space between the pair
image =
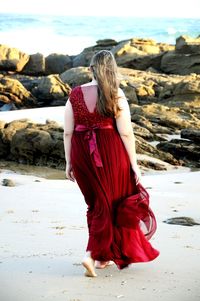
x: 180, y: 63
x: 12, y: 91
x: 83, y: 59
x: 30, y: 143
x: 42, y: 144
x: 57, y: 63
x: 185, y: 150
x: 185, y: 44
x: 35, y: 65
x: 193, y: 135
x: 76, y: 76
x: 185, y: 59
x: 51, y: 88
x: 161, y: 83
x: 12, y: 59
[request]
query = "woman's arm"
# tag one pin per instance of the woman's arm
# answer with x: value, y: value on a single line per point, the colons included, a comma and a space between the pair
x: 124, y: 126
x: 67, y: 135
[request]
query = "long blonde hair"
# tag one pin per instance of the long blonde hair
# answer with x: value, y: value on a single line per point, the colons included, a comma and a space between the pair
x: 104, y: 68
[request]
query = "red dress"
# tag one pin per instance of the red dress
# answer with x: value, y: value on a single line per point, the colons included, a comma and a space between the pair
x: 120, y: 221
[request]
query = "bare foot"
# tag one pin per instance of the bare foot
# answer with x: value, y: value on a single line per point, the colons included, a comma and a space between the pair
x: 88, y: 263
x: 103, y: 264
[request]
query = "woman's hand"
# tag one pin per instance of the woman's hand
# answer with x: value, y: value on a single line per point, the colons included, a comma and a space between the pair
x: 137, y: 172
x: 69, y: 172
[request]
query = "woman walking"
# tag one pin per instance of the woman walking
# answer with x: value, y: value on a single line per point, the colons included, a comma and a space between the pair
x: 100, y: 155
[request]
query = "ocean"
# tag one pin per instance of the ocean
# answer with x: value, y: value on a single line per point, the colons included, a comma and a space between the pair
x: 71, y: 34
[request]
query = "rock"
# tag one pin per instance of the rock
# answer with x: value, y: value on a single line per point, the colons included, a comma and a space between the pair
x: 165, y: 116
x: 142, y: 147
x: 140, y: 53
x: 142, y: 132
x: 44, y: 147
x: 57, y: 63
x: 83, y: 59
x: 177, y: 63
x: 12, y: 127
x: 193, y: 135
x: 151, y: 164
x: 76, y: 76
x: 2, y: 124
x: 51, y: 88
x: 186, y: 44
x: 12, y: 91
x: 30, y: 143
x: 106, y: 42
x: 183, y: 221
x: 12, y: 59
x: 35, y: 65
x: 152, y: 127
x: 8, y: 182
x: 184, y: 150
x: 42, y: 144
x: 130, y: 92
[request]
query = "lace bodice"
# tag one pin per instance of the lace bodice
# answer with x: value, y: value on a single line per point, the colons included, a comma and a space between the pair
x: 81, y: 113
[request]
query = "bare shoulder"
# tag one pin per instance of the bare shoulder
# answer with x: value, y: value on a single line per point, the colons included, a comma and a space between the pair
x: 121, y: 93
x: 122, y: 100
x: 87, y: 84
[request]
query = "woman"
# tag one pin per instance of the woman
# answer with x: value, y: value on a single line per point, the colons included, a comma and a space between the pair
x: 100, y: 155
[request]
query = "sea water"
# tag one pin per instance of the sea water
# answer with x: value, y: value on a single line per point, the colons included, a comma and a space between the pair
x: 71, y: 34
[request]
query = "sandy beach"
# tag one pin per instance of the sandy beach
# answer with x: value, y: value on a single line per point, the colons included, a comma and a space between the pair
x: 44, y: 235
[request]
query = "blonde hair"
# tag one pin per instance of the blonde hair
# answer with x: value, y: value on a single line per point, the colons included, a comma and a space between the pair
x: 104, y: 68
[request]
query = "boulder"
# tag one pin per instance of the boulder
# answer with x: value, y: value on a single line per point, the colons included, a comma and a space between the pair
x: 180, y: 63
x: 83, y: 59
x: 35, y: 65
x: 173, y: 118
x: 12, y: 59
x: 57, y: 63
x: 12, y: 91
x: 50, y: 88
x: 184, y: 150
x: 142, y: 147
x: 190, y: 134
x: 76, y: 76
x: 7, y: 132
x: 106, y: 42
x: 186, y: 44
x: 39, y: 145
x: 140, y: 54
x: 129, y: 91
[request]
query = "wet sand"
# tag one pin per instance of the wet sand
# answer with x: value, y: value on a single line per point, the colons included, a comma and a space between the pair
x: 43, y: 235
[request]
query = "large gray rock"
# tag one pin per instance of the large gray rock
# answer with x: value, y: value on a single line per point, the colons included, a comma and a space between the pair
x: 12, y: 59
x: 51, y: 88
x: 83, y: 59
x: 174, y: 118
x: 57, y: 63
x: 12, y: 91
x: 76, y: 76
x: 39, y: 145
x: 180, y: 63
x: 186, y: 44
x: 182, y: 149
x: 35, y: 65
x: 140, y: 53
x: 193, y: 135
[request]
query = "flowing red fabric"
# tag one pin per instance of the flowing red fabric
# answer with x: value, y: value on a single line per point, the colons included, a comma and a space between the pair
x: 120, y: 221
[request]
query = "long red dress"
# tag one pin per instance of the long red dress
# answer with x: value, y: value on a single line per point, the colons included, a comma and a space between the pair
x: 120, y: 221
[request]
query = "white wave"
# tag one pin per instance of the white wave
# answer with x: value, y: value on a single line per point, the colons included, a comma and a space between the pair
x: 45, y: 41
